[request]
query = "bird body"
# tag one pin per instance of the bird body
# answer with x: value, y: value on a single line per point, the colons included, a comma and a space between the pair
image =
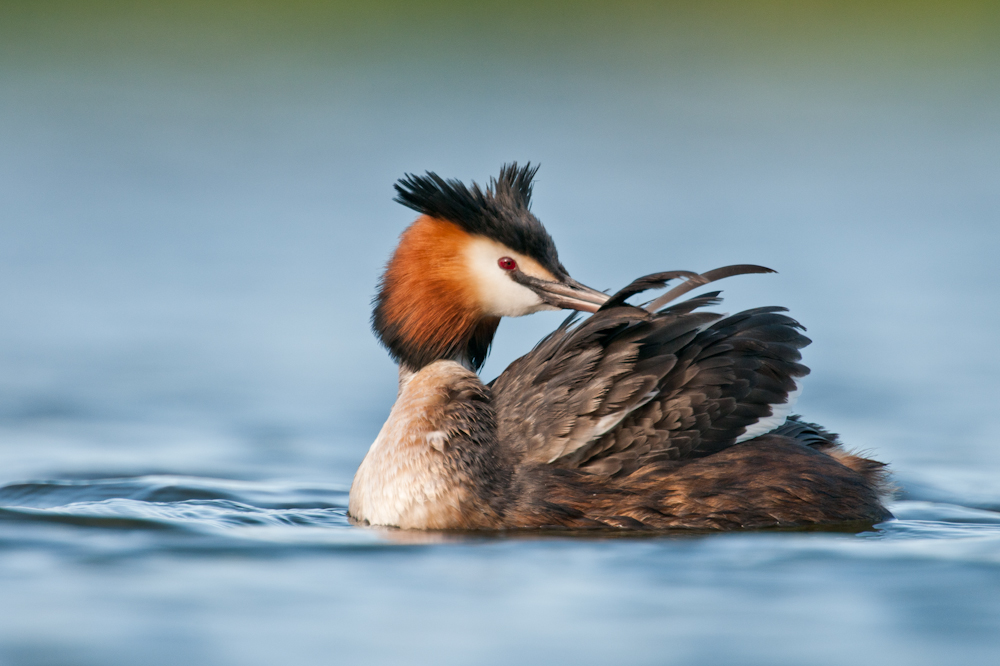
x: 658, y: 417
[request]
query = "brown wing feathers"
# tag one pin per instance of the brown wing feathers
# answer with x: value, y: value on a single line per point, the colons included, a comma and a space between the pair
x: 553, y: 400
x: 722, y: 381
x: 746, y: 363
x: 627, y: 388
x: 705, y: 278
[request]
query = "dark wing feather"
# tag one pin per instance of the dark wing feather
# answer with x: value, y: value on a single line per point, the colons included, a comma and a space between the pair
x: 653, y: 281
x: 627, y: 388
x: 705, y: 278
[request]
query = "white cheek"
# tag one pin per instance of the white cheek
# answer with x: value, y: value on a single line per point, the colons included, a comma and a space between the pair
x: 499, y: 295
x: 502, y: 297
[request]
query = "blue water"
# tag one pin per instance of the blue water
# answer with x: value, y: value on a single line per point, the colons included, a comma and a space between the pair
x: 188, y: 246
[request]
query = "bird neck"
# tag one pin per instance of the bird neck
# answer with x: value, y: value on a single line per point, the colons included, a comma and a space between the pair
x: 468, y: 346
x: 470, y: 351
x: 426, y: 309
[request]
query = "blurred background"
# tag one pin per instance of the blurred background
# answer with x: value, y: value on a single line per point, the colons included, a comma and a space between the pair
x: 196, y: 203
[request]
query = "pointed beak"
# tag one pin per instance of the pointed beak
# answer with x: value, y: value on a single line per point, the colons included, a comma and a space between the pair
x: 565, y: 294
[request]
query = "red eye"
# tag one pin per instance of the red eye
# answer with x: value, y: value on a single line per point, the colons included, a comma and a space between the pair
x: 507, y: 263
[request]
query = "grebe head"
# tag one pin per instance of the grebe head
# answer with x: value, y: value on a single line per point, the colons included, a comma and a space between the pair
x: 472, y: 257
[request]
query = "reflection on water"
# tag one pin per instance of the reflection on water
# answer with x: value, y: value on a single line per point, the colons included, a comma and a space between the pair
x: 194, y: 208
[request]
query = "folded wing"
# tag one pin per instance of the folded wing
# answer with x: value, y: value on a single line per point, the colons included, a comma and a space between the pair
x: 626, y: 388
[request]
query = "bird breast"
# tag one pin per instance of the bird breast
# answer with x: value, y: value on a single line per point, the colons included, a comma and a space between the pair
x: 414, y: 475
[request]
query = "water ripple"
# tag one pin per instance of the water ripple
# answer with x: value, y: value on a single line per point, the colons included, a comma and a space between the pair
x: 288, y: 513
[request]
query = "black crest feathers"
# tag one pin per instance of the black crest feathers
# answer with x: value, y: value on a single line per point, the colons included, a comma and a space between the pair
x: 501, y: 211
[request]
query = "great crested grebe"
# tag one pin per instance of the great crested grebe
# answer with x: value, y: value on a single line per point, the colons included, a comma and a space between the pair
x: 635, y: 417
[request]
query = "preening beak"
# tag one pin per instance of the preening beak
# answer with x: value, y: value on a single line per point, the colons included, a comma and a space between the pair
x: 566, y: 294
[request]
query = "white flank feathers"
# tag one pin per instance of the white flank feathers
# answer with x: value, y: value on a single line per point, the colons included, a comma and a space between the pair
x: 779, y: 414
